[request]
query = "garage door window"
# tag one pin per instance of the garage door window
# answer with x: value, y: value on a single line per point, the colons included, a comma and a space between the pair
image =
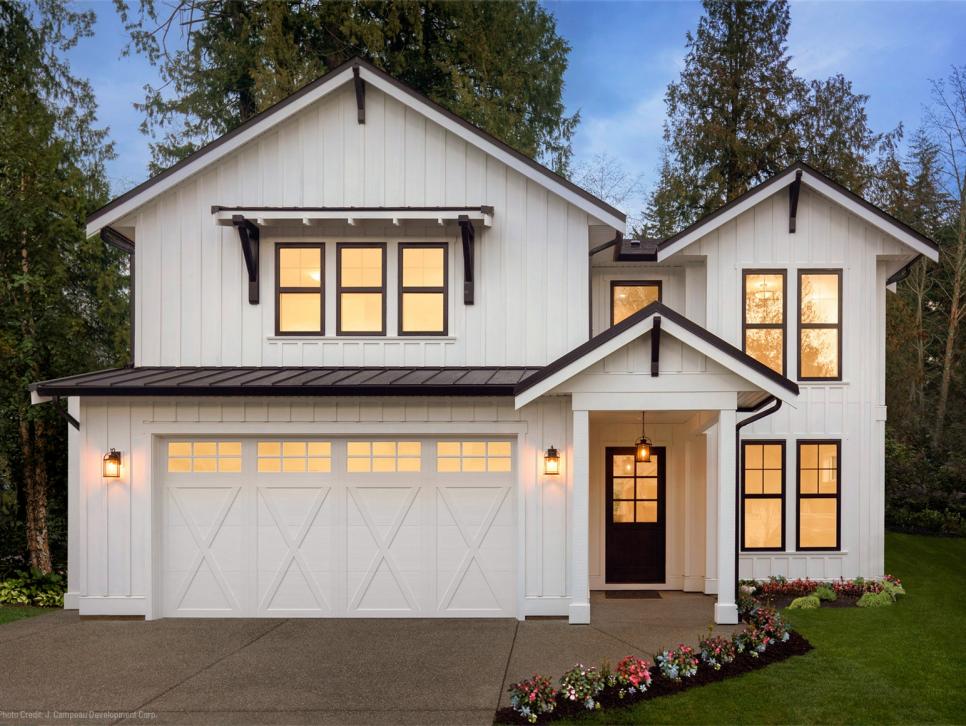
x: 383, y: 456
x: 294, y: 456
x: 472, y: 456
x: 204, y: 456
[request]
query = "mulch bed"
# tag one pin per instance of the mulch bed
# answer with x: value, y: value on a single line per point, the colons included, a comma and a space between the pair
x: 661, y: 686
x: 784, y: 601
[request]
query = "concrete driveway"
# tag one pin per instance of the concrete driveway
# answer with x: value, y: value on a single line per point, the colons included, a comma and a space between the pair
x: 310, y: 671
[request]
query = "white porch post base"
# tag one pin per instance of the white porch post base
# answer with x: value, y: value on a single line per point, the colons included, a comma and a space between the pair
x: 580, y: 613
x: 726, y: 613
x: 71, y: 600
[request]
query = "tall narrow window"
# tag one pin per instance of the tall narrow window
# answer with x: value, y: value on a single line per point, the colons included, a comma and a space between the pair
x: 818, y: 495
x: 763, y: 317
x: 298, y: 283
x: 820, y: 325
x: 362, y: 289
x: 629, y: 296
x: 422, y: 289
x: 762, y: 491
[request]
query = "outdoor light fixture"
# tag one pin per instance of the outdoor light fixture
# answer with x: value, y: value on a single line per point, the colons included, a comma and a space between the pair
x: 551, y: 462
x: 642, y: 445
x: 112, y: 464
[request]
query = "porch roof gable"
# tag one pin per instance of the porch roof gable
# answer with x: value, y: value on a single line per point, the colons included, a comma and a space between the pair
x: 644, y: 321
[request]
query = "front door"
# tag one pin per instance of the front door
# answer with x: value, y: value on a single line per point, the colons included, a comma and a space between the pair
x: 636, y: 522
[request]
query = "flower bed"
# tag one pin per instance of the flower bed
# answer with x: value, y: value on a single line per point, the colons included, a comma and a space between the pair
x: 766, y: 640
x: 779, y: 592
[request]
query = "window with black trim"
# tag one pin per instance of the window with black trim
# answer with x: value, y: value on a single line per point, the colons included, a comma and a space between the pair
x: 820, y: 325
x: 361, y: 282
x: 629, y: 296
x: 763, y: 317
x: 423, y: 281
x: 299, y: 288
x: 763, y: 495
x: 819, y: 497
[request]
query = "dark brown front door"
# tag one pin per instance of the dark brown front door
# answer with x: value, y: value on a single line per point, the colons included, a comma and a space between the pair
x: 635, y: 519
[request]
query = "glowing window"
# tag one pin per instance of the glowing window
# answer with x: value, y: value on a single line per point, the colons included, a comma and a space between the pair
x: 473, y: 456
x: 299, y: 300
x: 294, y: 456
x: 763, y: 488
x: 764, y: 317
x: 383, y: 456
x: 629, y: 296
x: 635, y: 488
x: 820, y: 324
x: 204, y: 457
x: 362, y: 289
x: 422, y: 289
x: 818, y: 495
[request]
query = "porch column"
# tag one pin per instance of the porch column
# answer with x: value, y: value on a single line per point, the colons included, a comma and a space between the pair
x: 580, y: 520
x: 726, y: 609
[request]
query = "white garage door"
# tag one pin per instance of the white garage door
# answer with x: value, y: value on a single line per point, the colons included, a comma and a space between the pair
x: 273, y: 527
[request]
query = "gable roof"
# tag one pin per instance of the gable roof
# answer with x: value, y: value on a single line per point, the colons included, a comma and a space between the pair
x: 311, y: 92
x: 823, y: 185
x: 643, y: 321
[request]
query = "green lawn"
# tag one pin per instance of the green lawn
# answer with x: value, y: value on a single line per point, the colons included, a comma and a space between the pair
x: 9, y: 613
x: 901, y: 664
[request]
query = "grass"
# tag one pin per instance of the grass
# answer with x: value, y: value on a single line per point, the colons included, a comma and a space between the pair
x: 10, y: 613
x: 900, y: 664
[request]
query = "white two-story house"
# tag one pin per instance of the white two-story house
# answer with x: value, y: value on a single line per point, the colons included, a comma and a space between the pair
x: 384, y: 365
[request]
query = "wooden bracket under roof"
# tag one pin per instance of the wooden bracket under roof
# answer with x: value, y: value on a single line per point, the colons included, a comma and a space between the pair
x: 793, y: 191
x: 248, y: 236
x: 468, y: 234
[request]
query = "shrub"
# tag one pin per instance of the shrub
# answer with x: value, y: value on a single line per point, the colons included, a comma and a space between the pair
x: 874, y: 600
x: 854, y: 589
x: 716, y: 651
x: 892, y: 586
x: 926, y: 521
x: 582, y: 684
x: 677, y: 663
x: 631, y: 676
x: 533, y: 697
x: 825, y: 592
x: 33, y: 588
x: 765, y: 627
x: 778, y: 586
x: 809, y: 602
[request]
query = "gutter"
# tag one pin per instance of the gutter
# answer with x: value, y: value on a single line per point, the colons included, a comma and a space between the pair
x: 119, y: 241
x: 740, y: 425
x: 903, y: 272
x: 590, y: 280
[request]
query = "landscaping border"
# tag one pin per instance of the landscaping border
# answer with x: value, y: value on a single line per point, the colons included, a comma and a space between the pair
x: 661, y: 686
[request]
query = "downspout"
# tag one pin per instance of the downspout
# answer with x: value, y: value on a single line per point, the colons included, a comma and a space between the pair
x: 114, y: 238
x: 590, y: 280
x: 740, y: 425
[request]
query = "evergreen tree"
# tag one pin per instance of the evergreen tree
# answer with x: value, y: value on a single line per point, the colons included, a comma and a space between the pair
x: 57, y: 288
x: 739, y: 114
x: 728, y: 122
x: 500, y: 65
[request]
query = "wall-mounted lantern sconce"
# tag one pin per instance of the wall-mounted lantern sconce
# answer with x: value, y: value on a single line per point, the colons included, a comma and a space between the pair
x: 642, y: 447
x: 551, y: 462
x: 112, y: 464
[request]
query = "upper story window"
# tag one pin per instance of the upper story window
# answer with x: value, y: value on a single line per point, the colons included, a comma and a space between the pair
x: 629, y: 296
x: 299, y: 300
x: 820, y: 325
x: 763, y: 317
x: 362, y: 288
x: 422, y: 289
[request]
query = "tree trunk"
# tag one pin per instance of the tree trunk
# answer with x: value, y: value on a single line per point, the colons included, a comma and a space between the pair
x: 35, y: 490
x: 955, y: 314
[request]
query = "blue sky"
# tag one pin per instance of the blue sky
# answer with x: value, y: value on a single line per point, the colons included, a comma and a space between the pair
x: 623, y: 56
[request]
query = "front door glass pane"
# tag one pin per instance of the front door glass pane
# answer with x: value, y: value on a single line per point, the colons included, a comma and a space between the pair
x: 636, y: 494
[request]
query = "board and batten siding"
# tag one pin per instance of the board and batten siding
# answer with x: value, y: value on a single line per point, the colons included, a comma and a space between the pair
x: 112, y: 571
x: 531, y: 265
x: 853, y: 409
